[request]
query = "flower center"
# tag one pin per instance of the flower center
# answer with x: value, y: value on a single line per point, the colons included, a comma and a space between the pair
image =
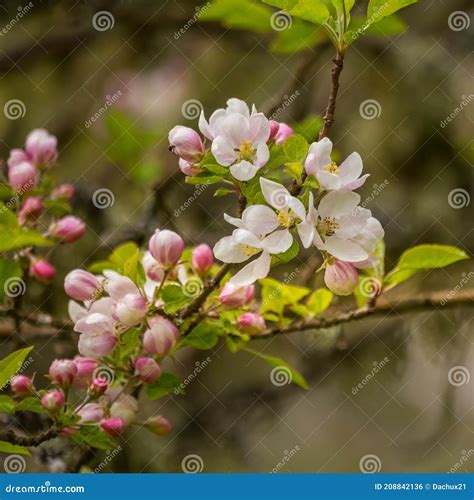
x: 285, y: 219
x: 332, y: 168
x: 327, y: 226
x: 248, y: 250
x: 246, y: 150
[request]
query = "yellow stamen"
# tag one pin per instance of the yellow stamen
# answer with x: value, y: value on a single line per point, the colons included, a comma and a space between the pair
x: 327, y: 226
x: 246, y: 150
x: 248, y: 250
x: 285, y: 219
x: 332, y: 168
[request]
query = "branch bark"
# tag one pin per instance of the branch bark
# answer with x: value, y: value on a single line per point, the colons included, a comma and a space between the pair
x: 11, y: 437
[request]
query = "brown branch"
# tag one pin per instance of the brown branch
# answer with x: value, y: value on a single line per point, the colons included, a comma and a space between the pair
x: 11, y: 437
x: 390, y: 308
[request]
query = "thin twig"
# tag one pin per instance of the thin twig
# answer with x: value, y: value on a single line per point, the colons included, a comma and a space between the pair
x: 11, y: 437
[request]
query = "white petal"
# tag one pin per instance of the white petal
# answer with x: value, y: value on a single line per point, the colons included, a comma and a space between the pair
x: 247, y: 238
x: 352, y: 224
x: 355, y: 184
x: 244, y: 170
x: 255, y: 270
x: 76, y: 311
x: 235, y: 105
x: 277, y: 242
x: 228, y: 250
x: 319, y: 155
x: 204, y: 126
x: 328, y: 181
x: 276, y: 195
x: 345, y: 250
x: 259, y: 219
x: 235, y: 127
x: 223, y: 151
x: 233, y: 220
x: 306, y: 232
x: 337, y: 203
x: 259, y: 128
x: 351, y: 167
x: 263, y: 153
x: 297, y: 207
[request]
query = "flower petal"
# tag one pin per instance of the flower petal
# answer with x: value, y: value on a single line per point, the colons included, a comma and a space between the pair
x: 276, y: 195
x: 228, y: 250
x: 263, y: 153
x: 244, y: 170
x: 319, y: 155
x: 277, y: 242
x: 235, y: 105
x: 223, y: 151
x: 306, y: 232
x: 259, y: 219
x: 356, y: 184
x: 353, y: 223
x: 233, y: 220
x: 259, y: 128
x: 245, y: 237
x: 328, y: 181
x: 351, y: 167
x: 337, y: 203
x: 345, y: 250
x: 235, y: 127
x: 253, y: 271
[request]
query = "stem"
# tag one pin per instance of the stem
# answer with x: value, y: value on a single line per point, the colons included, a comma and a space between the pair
x: 11, y: 437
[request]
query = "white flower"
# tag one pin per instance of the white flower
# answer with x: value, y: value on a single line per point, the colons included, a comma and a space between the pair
x: 346, y: 231
x: 255, y: 234
x: 331, y: 176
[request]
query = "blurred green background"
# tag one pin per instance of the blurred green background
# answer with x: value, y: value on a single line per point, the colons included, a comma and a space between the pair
x: 110, y: 92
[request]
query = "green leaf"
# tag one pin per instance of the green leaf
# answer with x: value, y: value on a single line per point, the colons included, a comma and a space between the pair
x: 309, y: 127
x: 295, y: 148
x: 32, y: 404
x: 129, y: 343
x: 122, y: 254
x: 294, y: 169
x: 286, y: 369
x: 215, y: 168
x: 300, y: 35
x: 204, y: 336
x: 319, y: 301
x: 174, y: 298
x: 8, y: 269
x: 13, y: 238
x: 290, y: 254
x: 314, y: 11
x: 13, y: 449
x: 204, y: 178
x: 93, y: 436
x: 166, y: 384
x: 388, y: 26
x: 379, y: 9
x: 7, y: 405
x: 58, y: 208
x: 222, y: 192
x: 11, y: 364
x: 276, y: 295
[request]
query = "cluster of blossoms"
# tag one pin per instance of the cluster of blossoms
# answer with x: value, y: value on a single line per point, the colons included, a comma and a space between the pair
x: 32, y: 195
x: 345, y: 233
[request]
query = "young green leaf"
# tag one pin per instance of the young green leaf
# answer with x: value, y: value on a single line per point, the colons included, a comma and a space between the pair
x: 9, y: 270
x: 11, y: 364
x: 319, y: 301
x: 204, y: 336
x: 13, y: 449
x: 166, y: 384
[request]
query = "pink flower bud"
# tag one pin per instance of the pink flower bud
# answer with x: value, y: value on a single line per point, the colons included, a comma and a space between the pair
x: 41, y: 147
x: 63, y: 371
x: 112, y: 426
x: 68, y: 229
x: 53, y: 400
x: 234, y: 296
x: 202, y: 258
x: 64, y: 191
x: 17, y: 156
x: 274, y: 126
x: 251, y: 323
x: 159, y: 425
x: 166, y: 247
x: 98, y: 387
x: 152, y: 269
x: 187, y: 168
x: 341, y: 277
x: 284, y: 131
x: 21, y: 385
x: 91, y: 412
x: 126, y: 408
x: 161, y: 336
x: 147, y: 369
x: 23, y: 176
x: 85, y: 369
x: 30, y: 210
x: 81, y: 285
x: 186, y: 143
x: 131, y: 309
x: 42, y: 270
x: 96, y: 345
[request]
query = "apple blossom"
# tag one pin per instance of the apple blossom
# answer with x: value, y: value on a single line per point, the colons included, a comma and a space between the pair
x: 112, y: 426
x: 23, y: 176
x: 53, y: 400
x: 91, y: 412
x: 63, y: 372
x: 186, y: 143
x: 161, y: 336
x: 41, y: 147
x: 341, y: 277
x: 17, y: 156
x: 202, y: 258
x: 331, y: 176
x: 147, y: 369
x: 98, y: 387
x: 64, y: 191
x: 68, y: 229
x: 152, y: 269
x: 279, y: 132
x: 42, y: 270
x: 21, y: 385
x: 166, y: 247
x: 31, y: 209
x: 126, y: 408
x: 251, y: 323
x: 188, y: 168
x: 234, y: 296
x: 131, y: 309
x: 85, y: 369
x: 159, y: 425
x: 81, y: 285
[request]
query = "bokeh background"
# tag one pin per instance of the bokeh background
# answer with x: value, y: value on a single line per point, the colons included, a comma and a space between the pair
x: 110, y: 93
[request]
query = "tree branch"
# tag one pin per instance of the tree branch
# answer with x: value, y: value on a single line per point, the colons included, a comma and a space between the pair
x: 390, y: 308
x: 11, y: 437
